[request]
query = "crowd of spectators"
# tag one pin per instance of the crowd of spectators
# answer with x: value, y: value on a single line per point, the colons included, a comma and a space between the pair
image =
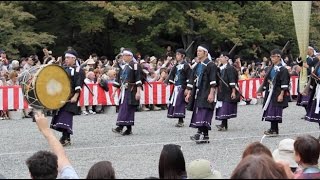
x: 156, y: 69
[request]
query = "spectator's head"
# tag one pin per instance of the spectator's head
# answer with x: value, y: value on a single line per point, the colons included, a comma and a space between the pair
x: 258, y: 167
x: 202, y: 169
x: 15, y: 65
x: 32, y: 60
x: 171, y: 163
x: 101, y: 170
x: 13, y: 76
x: 306, y: 149
x: 91, y: 75
x: 256, y: 148
x: 285, y: 152
x: 91, y: 63
x: 43, y: 165
x: 262, y: 73
x: 3, y: 54
x: 153, y: 60
x: 112, y: 74
x: 245, y: 71
x: 94, y: 57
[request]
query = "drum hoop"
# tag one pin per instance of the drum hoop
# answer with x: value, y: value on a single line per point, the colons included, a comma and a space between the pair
x: 24, y: 84
x: 37, y: 74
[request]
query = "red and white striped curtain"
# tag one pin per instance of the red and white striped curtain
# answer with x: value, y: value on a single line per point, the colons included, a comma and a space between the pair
x: 11, y: 97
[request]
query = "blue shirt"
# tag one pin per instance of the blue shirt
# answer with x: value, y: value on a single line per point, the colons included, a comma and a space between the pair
x: 199, y: 72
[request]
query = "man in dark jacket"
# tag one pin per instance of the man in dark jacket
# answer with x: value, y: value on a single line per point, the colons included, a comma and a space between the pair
x: 228, y: 96
x: 277, y: 92
x: 201, y: 93
x: 179, y: 77
x: 63, y: 118
x: 130, y: 83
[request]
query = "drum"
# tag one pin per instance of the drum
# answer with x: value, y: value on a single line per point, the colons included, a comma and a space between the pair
x: 46, y: 87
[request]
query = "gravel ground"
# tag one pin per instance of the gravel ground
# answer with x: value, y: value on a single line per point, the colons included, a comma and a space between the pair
x: 137, y: 156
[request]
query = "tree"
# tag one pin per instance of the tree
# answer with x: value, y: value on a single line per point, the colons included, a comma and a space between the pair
x: 17, y: 36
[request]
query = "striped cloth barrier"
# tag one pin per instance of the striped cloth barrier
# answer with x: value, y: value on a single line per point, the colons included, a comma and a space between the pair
x: 11, y: 97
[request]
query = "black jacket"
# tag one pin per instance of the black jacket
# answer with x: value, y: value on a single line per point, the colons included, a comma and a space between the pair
x: 281, y: 82
x: 77, y: 76
x: 209, y: 79
x: 183, y: 76
x: 230, y: 77
x: 133, y: 79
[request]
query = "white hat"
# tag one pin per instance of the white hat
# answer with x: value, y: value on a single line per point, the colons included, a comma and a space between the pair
x: 15, y: 63
x: 90, y: 61
x: 152, y: 58
x: 285, y: 152
x: 202, y: 169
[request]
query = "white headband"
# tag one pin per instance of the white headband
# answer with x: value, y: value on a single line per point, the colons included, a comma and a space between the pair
x: 206, y: 50
x: 202, y: 48
x: 125, y: 52
x: 69, y: 55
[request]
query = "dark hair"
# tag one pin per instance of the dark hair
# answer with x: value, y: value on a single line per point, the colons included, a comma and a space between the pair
x: 308, y: 148
x: 244, y: 70
x: 258, y: 167
x: 276, y: 51
x: 225, y: 54
x: 236, y: 57
x: 43, y: 165
x: 101, y: 170
x: 171, y: 163
x: 256, y: 148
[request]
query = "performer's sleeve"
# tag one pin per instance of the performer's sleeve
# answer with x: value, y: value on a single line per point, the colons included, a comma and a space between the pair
x: 137, y: 73
x: 309, y: 61
x: 188, y: 71
x: 315, y: 62
x: 79, y: 80
x: 285, y: 79
x: 191, y: 79
x: 173, y: 73
x: 213, y: 75
x: 116, y: 83
x: 231, y: 77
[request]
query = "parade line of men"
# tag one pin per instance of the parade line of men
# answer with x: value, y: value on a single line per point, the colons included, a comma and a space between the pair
x: 205, y: 87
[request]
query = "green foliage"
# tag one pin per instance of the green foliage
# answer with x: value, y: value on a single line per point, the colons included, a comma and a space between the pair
x: 104, y: 27
x: 16, y: 33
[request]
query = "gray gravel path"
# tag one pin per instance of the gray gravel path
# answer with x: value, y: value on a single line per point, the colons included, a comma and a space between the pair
x: 137, y: 156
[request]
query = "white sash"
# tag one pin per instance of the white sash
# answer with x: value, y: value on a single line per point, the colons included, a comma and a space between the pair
x: 318, y: 99
x: 174, y: 96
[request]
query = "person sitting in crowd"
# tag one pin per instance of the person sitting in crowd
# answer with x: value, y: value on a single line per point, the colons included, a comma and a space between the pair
x: 101, y: 170
x: 171, y: 163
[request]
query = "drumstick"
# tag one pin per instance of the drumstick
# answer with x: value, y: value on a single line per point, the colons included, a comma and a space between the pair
x: 65, y: 101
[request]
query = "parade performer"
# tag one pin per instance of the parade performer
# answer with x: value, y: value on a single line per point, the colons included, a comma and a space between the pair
x: 179, y: 78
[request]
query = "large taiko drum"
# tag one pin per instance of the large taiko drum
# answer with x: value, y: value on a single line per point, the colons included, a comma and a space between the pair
x: 46, y: 86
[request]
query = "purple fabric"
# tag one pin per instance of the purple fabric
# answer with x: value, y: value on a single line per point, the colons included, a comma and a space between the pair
x: 273, y: 114
x: 179, y: 110
x: 62, y: 121
x: 201, y: 117
x: 302, y: 100
x: 227, y: 111
x: 126, y: 112
x: 311, y: 115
